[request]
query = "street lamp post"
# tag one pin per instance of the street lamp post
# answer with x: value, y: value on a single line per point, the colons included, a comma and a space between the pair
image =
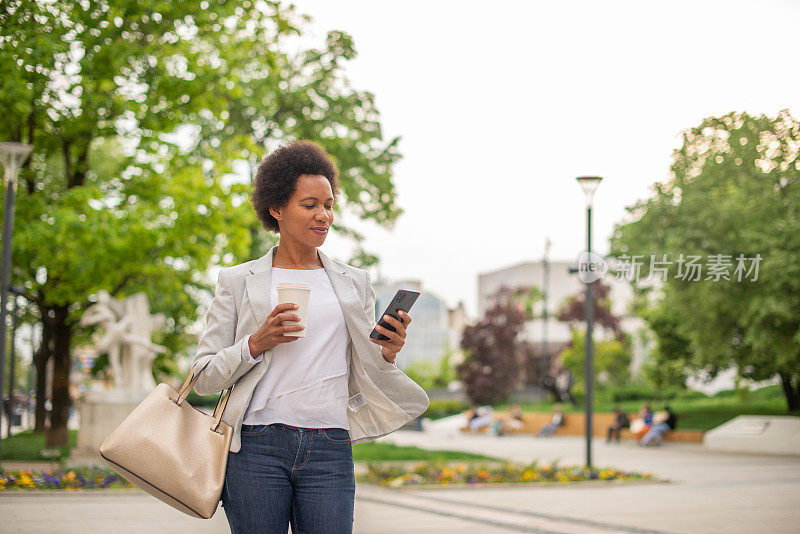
x: 589, y: 185
x: 13, y: 155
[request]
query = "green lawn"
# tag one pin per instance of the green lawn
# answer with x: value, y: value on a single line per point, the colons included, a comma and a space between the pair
x: 695, y: 411
x: 372, y: 452
x: 26, y: 445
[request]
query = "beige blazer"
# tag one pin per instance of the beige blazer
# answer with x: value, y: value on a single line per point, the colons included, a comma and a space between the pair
x: 382, y: 398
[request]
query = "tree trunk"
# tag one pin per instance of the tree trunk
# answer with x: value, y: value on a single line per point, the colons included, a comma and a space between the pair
x: 40, y: 359
x: 57, y: 435
x: 791, y: 391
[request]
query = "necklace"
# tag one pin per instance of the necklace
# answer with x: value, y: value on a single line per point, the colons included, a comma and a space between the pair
x: 275, y: 261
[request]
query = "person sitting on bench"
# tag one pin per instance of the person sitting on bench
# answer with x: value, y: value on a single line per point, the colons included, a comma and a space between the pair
x: 555, y: 422
x: 620, y: 422
x: 479, y: 417
x: 510, y: 421
x: 667, y: 421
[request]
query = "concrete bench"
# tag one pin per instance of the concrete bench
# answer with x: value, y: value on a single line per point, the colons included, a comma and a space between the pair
x: 574, y: 424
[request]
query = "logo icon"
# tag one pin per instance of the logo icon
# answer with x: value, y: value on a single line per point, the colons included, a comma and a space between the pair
x: 591, y: 267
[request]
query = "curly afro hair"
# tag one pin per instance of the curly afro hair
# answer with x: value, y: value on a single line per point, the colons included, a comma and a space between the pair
x: 276, y: 178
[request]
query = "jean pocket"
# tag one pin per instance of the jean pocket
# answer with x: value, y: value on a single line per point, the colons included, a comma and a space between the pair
x: 335, y: 435
x: 252, y: 430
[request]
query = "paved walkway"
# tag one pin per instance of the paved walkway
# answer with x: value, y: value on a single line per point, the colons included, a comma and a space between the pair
x: 706, y: 492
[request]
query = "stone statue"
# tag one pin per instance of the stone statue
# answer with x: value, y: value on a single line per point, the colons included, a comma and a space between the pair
x: 127, y: 327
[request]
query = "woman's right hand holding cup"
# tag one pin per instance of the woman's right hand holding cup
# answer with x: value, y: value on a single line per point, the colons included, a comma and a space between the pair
x: 272, y: 331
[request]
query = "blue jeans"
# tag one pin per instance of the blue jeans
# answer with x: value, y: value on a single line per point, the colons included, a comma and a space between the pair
x: 656, y: 433
x: 285, y: 475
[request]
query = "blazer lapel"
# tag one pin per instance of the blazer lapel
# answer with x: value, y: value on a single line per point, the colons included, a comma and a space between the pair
x: 257, y: 284
x: 358, y: 321
x: 345, y: 289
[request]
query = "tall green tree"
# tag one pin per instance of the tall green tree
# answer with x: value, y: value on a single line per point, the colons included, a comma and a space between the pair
x: 138, y: 112
x: 733, y: 200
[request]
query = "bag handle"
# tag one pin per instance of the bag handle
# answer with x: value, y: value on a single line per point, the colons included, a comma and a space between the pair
x: 189, y: 384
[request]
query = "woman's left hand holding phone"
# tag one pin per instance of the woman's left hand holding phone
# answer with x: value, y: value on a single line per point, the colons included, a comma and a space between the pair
x: 393, y: 345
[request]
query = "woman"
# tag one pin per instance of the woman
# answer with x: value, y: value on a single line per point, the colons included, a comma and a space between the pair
x: 662, y: 423
x: 510, y: 421
x: 300, y: 402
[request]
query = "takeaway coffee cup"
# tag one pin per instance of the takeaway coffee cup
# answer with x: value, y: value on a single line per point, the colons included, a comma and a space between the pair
x: 299, y: 294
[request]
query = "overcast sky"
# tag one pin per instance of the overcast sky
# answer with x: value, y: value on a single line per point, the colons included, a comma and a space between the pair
x: 501, y: 105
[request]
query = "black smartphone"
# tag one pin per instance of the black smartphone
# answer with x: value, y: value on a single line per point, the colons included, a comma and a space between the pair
x: 403, y: 300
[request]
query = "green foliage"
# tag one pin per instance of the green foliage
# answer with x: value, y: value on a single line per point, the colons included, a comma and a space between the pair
x: 528, y: 297
x: 667, y: 363
x: 206, y: 401
x: 612, y: 357
x: 138, y: 113
x: 101, y: 366
x: 734, y: 191
x: 645, y: 393
x: 433, y: 375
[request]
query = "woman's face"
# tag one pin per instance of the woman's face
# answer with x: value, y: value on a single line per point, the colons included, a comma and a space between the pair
x: 308, y: 214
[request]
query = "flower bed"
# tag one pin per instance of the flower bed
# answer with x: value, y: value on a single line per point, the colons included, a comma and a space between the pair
x: 69, y: 479
x: 467, y: 474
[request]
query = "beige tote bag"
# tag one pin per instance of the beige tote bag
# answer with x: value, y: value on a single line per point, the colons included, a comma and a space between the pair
x: 172, y: 450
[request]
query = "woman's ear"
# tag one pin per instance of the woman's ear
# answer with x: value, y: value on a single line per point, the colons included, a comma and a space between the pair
x: 275, y: 213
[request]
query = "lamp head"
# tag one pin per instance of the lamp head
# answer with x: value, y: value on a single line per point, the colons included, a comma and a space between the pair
x: 12, y: 156
x: 589, y: 185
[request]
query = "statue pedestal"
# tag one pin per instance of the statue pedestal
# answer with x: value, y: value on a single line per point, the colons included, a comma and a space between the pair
x: 101, y: 412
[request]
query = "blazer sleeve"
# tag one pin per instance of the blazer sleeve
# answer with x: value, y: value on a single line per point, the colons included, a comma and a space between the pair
x: 369, y: 300
x: 217, y: 345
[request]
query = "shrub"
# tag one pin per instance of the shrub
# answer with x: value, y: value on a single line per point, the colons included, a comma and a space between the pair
x: 432, y: 375
x: 493, y: 362
x: 611, y: 356
x: 442, y: 408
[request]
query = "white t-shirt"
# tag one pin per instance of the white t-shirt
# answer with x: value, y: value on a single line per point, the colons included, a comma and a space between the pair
x: 306, y: 383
